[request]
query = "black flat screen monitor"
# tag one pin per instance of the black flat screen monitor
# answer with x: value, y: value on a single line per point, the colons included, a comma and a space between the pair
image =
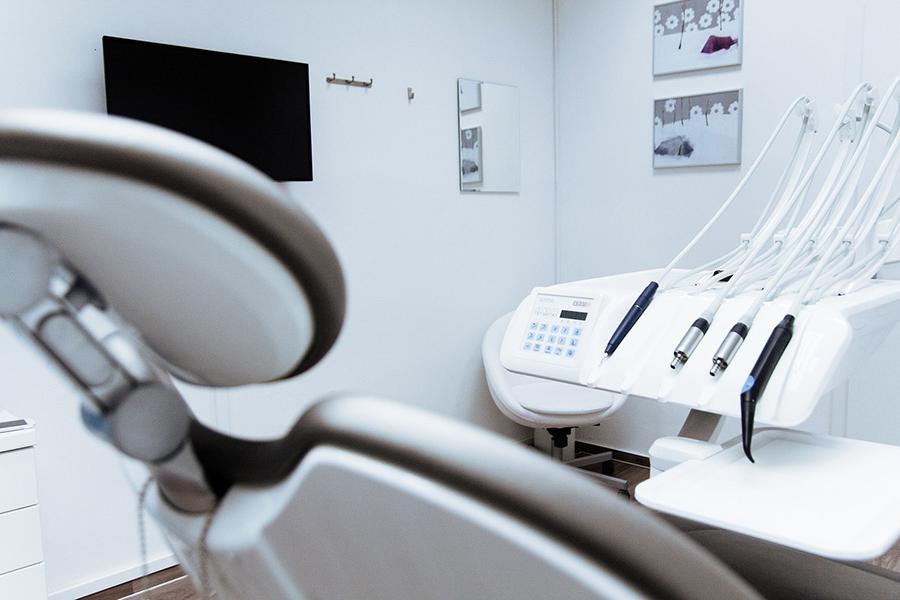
x: 254, y: 108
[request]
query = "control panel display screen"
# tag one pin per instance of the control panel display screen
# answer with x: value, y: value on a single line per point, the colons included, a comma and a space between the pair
x: 573, y: 314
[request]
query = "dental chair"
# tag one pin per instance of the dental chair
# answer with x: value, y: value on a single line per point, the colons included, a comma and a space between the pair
x: 209, y: 273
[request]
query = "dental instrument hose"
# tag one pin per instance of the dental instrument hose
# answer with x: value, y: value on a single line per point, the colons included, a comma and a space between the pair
x: 830, y: 193
x: 639, y: 307
x: 781, y: 336
x: 759, y: 376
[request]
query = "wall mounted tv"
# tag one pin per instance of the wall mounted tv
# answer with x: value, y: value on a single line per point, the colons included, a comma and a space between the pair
x: 255, y: 108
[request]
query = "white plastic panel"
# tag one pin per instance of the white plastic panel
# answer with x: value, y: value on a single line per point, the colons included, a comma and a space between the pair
x: 24, y: 584
x: 21, y: 532
x: 829, y: 338
x: 18, y: 483
x: 830, y: 496
x: 16, y: 437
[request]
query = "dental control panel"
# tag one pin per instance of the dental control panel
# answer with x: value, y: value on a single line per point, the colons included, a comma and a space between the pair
x: 556, y: 326
x: 551, y: 333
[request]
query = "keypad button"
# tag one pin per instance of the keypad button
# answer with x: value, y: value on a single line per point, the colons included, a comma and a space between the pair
x: 570, y: 353
x: 543, y: 327
x: 573, y: 342
x: 536, y: 347
x: 577, y: 331
x: 564, y: 330
x: 548, y: 349
x: 551, y: 339
x: 527, y: 346
x: 554, y: 329
x: 557, y: 351
x: 540, y: 337
x: 530, y: 335
x: 561, y: 340
x: 533, y: 325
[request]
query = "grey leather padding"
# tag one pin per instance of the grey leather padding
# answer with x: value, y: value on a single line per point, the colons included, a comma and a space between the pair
x: 200, y: 173
x: 640, y: 548
x: 782, y: 573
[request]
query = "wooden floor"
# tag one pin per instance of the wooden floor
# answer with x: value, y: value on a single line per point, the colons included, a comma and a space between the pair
x: 172, y: 584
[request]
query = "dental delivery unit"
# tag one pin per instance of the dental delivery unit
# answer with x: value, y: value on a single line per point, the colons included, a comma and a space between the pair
x: 762, y: 333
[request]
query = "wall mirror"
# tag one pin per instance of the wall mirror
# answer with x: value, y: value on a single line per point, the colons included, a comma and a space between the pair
x: 488, y: 137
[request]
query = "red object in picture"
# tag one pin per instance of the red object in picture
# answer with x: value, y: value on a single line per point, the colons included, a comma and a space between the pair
x: 718, y: 42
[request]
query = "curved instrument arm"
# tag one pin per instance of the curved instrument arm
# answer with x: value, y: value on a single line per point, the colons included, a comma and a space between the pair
x: 129, y: 400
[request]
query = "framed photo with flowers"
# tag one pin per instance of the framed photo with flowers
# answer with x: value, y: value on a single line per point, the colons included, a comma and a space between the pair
x: 690, y: 35
x: 698, y: 131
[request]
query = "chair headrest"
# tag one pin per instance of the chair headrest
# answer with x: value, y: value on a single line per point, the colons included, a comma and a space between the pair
x: 212, y: 262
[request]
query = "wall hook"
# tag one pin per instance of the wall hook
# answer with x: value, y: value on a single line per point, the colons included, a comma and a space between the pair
x: 351, y: 82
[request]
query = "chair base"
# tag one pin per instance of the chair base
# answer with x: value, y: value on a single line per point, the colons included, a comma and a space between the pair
x: 560, y: 437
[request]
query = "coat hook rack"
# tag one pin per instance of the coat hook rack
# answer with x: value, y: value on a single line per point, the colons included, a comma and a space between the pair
x: 352, y: 81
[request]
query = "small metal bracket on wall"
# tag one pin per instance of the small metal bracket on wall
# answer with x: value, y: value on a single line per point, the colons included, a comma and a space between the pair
x: 410, y: 94
x: 352, y: 81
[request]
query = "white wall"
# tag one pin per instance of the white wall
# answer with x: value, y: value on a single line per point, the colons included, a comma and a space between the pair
x: 428, y: 267
x: 617, y: 214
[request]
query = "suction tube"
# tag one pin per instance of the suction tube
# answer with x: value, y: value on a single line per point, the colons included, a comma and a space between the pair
x: 759, y: 377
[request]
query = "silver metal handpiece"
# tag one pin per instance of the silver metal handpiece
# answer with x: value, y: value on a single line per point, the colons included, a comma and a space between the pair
x: 689, y: 342
x: 728, y: 348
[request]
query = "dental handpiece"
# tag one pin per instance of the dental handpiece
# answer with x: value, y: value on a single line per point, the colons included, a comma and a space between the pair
x: 689, y: 342
x: 631, y: 317
x: 729, y: 347
x: 759, y: 376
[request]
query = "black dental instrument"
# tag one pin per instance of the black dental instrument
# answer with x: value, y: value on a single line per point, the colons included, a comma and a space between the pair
x: 759, y: 377
x: 631, y: 317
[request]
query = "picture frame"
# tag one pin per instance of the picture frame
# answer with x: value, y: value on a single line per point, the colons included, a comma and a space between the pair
x: 698, y: 130
x: 694, y: 35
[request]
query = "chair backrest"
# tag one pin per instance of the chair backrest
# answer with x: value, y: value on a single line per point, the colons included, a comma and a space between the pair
x: 388, y: 501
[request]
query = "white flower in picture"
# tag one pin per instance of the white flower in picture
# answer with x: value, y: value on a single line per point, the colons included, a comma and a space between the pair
x: 670, y: 105
x: 727, y: 5
x: 716, y: 109
x: 659, y: 30
x: 712, y: 6
x: 723, y: 18
x: 705, y: 20
x: 657, y: 16
x: 672, y: 22
x: 733, y: 107
x: 696, y: 111
x: 657, y: 122
x: 691, y: 27
x: 688, y: 15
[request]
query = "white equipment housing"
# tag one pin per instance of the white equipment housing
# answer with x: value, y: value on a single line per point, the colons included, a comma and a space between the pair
x: 830, y: 339
x: 791, y: 496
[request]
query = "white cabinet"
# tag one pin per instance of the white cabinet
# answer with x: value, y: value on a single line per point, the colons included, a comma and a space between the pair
x: 21, y: 557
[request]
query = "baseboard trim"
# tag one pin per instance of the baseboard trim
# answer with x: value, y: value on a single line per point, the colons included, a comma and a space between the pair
x: 87, y: 588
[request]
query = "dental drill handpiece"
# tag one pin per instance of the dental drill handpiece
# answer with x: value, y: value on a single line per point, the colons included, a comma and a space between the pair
x: 759, y: 376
